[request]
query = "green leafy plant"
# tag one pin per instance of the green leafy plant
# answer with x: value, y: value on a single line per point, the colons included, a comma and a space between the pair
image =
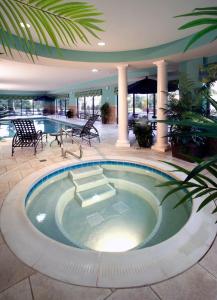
x: 189, y: 106
x: 46, y: 21
x: 201, y: 181
x: 144, y: 134
x: 204, y: 175
x: 207, y: 16
x: 105, y: 112
x: 202, y: 185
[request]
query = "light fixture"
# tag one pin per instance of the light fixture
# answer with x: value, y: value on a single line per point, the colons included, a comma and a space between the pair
x: 40, y: 217
x: 101, y: 44
x: 116, y: 241
x: 24, y: 25
x: 95, y: 70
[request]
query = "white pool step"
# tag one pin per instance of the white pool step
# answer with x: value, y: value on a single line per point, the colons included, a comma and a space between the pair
x: 90, y: 182
x: 91, y: 185
x: 85, y: 172
x: 94, y: 195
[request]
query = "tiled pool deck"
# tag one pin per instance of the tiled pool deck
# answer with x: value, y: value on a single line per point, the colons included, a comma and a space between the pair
x: 18, y: 281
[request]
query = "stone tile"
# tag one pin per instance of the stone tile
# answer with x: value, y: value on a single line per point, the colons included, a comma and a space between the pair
x: 2, y: 170
x: 210, y: 260
x: 12, y: 177
x: 12, y: 269
x: 4, y: 189
x: 194, y: 284
x: 8, y: 163
x: 47, y: 288
x: 1, y: 239
x: 143, y: 293
x: 20, y: 291
x: 25, y: 172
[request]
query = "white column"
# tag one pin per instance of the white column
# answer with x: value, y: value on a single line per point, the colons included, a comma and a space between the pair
x: 161, y: 144
x: 123, y: 140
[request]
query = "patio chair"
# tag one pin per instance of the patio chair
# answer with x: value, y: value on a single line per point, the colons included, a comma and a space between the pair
x: 88, y: 131
x: 26, y: 134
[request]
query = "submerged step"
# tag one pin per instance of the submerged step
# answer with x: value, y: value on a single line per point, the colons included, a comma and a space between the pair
x: 95, y: 195
x: 90, y: 182
x: 85, y: 172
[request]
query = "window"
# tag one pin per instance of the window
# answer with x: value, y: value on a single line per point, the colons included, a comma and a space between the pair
x: 62, y: 106
x: 88, y: 106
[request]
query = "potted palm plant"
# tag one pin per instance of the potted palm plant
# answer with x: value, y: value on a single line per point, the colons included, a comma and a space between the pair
x: 143, y: 133
x: 186, y: 140
x: 105, y: 112
x: 205, y: 172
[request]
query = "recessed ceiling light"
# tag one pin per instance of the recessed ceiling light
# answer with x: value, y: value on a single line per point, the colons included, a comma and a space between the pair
x: 24, y: 25
x: 95, y: 70
x: 101, y: 44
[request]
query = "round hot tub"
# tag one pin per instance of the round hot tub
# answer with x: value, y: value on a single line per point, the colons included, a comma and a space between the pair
x: 101, y: 223
x: 107, y: 206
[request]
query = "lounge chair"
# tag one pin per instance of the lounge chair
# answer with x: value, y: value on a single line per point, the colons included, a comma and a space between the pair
x: 88, y: 131
x: 26, y: 134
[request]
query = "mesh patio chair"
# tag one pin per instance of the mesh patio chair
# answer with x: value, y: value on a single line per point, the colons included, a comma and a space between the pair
x: 26, y: 134
x: 88, y: 131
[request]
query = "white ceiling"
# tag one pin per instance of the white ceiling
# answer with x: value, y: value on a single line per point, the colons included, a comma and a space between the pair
x: 138, y: 24
x: 129, y: 25
x: 45, y: 76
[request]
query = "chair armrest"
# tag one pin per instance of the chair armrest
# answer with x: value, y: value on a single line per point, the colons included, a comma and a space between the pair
x: 95, y: 129
x: 39, y: 132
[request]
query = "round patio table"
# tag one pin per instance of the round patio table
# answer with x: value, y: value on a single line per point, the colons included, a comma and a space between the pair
x: 56, y: 135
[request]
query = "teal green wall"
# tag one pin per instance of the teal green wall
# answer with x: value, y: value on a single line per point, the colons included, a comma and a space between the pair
x: 191, y: 68
x: 72, y: 99
x: 212, y: 59
x: 108, y: 95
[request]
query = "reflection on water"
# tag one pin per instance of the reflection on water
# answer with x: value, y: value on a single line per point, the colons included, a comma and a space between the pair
x: 45, y: 125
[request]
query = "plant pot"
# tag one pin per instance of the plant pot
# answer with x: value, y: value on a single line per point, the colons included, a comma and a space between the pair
x: 145, y: 142
x: 188, y: 152
x: 211, y: 146
x: 143, y: 133
x: 105, y: 120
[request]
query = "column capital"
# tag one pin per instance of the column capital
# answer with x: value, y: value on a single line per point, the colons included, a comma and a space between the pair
x: 160, y: 63
x: 122, y: 66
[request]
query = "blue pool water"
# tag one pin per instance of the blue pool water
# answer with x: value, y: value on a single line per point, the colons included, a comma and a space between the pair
x: 69, y: 206
x: 43, y: 124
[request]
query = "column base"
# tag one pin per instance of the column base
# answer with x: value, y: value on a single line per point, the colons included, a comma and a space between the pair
x: 161, y: 148
x: 123, y: 144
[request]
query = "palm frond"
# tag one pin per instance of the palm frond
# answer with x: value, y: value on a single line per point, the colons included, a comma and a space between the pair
x: 200, y: 34
x: 206, y: 187
x: 204, y: 21
x: 50, y: 21
x: 211, y: 22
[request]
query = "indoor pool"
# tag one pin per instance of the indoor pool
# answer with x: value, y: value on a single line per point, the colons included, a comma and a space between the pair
x: 43, y: 124
x: 106, y: 206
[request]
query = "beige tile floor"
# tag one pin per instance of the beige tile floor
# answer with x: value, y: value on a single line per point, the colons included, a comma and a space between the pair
x: 18, y: 281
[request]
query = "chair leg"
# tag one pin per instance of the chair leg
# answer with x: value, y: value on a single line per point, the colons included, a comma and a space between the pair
x: 35, y: 145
